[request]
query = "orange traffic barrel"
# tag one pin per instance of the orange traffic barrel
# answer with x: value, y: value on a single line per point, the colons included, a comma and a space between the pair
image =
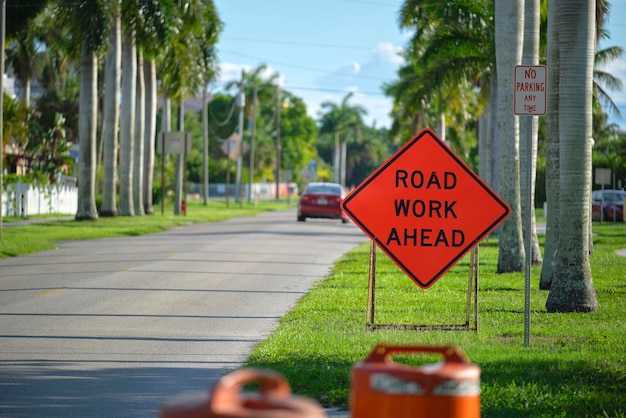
x: 382, y: 388
x: 228, y: 400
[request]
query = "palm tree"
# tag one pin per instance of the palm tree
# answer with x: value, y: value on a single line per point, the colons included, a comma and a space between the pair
x: 600, y: 96
x: 157, y: 25
x: 187, y: 63
x: 89, y: 25
x: 452, y: 47
x: 509, y: 24
x: 148, y: 24
x: 602, y: 78
x: 572, y: 288
x: 450, y: 58
x: 21, y: 56
x: 262, y: 97
x: 341, y: 122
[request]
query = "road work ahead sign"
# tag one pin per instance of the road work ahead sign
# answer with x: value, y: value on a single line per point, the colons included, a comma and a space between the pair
x: 530, y: 90
x: 425, y: 208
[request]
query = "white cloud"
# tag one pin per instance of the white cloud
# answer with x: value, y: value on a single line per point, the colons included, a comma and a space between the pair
x: 388, y: 52
x: 232, y: 72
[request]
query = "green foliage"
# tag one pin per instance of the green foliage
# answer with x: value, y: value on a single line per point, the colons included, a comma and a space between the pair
x: 609, y: 151
x: 21, y: 13
x: 40, y: 150
x: 16, y: 120
x: 31, y: 178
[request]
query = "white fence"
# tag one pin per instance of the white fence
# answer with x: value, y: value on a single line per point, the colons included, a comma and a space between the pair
x: 24, y: 200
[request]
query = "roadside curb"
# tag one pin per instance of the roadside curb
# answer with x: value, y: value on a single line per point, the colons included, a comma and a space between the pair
x: 336, y: 413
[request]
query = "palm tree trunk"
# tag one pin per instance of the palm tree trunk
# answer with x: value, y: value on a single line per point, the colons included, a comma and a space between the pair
x: 87, y: 120
x: 530, y: 57
x: 127, y: 124
x: 138, y: 140
x: 150, y: 133
x: 508, y: 21
x: 111, y: 118
x: 572, y: 286
x: 548, y: 268
x: 25, y: 92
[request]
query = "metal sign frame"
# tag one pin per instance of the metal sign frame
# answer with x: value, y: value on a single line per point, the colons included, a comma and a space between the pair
x: 471, y: 305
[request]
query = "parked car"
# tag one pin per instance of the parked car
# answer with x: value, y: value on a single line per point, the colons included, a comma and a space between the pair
x: 607, y: 205
x: 322, y: 200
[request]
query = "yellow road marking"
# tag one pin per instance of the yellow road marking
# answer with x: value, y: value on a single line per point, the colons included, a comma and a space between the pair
x: 50, y: 292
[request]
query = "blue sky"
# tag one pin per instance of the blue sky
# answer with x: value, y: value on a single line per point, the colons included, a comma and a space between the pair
x: 323, y: 49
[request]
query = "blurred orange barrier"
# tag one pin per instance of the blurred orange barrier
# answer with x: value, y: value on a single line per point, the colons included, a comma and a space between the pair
x: 381, y: 388
x: 227, y: 400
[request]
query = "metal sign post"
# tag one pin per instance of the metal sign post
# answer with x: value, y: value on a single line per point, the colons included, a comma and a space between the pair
x: 175, y: 142
x: 530, y: 94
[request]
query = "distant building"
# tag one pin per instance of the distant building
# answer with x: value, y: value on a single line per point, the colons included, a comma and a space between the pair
x: 8, y: 85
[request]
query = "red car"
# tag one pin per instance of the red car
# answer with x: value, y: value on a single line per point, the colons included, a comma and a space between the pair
x: 607, y: 205
x: 322, y: 200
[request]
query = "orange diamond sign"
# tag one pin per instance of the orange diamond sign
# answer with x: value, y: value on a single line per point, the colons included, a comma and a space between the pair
x: 425, y: 208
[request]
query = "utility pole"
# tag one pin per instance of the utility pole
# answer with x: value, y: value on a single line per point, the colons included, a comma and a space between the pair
x: 278, y: 109
x: 205, y: 148
x: 242, y: 102
x: 252, y: 127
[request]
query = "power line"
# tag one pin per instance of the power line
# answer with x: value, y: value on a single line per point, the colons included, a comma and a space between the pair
x: 274, y: 41
x: 320, y: 89
x: 367, y: 93
x: 300, y: 67
x: 369, y: 3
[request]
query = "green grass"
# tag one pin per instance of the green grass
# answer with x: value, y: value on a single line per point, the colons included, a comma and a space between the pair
x: 575, y: 365
x: 19, y: 240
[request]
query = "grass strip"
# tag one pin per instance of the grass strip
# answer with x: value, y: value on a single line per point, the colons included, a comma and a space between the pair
x: 575, y: 365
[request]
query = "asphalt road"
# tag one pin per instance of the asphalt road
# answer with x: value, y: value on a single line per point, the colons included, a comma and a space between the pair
x: 116, y: 327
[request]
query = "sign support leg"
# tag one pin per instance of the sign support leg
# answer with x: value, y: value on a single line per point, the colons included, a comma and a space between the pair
x: 472, y: 288
x: 474, y: 274
x: 371, y: 287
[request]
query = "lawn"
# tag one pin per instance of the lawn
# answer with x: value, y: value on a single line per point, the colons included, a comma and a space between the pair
x: 574, y: 366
